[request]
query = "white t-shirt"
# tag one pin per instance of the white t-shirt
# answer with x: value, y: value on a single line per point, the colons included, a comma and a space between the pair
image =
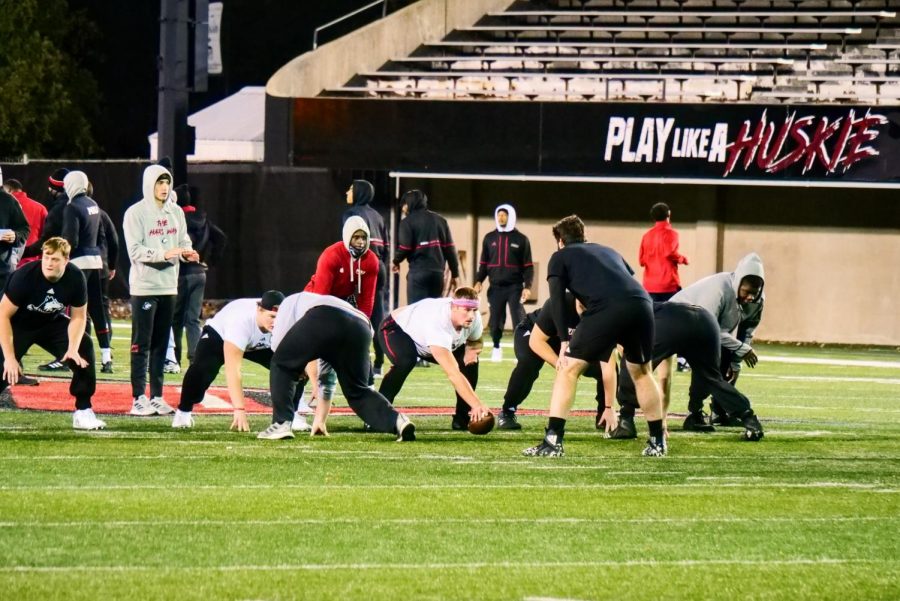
x: 428, y: 323
x: 295, y: 306
x: 236, y: 323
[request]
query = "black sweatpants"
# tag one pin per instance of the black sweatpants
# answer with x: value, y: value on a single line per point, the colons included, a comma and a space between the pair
x: 499, y: 296
x: 209, y: 357
x: 151, y: 320
x: 104, y: 292
x: 423, y: 284
x: 692, y: 333
x: 528, y: 368
x: 402, y: 352
x: 96, y: 309
x: 378, y: 311
x: 343, y: 341
x: 53, y: 337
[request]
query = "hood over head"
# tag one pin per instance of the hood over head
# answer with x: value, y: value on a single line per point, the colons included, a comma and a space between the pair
x: 151, y: 175
x: 415, y: 200
x: 75, y: 183
x: 363, y: 192
x: 510, y: 223
x: 750, y: 265
x: 352, y: 225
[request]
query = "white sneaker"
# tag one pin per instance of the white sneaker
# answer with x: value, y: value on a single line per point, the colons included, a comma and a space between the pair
x: 276, y: 431
x: 84, y: 419
x: 160, y: 407
x: 497, y: 355
x: 141, y: 406
x: 182, y: 419
x: 406, y: 430
x: 299, y: 423
x: 171, y: 367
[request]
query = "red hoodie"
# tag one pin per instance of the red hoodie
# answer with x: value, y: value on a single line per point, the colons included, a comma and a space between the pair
x: 660, y: 258
x: 35, y: 215
x: 333, y: 273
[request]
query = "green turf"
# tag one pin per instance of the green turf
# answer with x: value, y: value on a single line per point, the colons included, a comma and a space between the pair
x: 143, y: 512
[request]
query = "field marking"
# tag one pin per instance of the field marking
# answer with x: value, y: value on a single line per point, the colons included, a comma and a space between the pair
x: 492, y: 565
x: 836, y: 362
x: 426, y: 521
x: 851, y: 379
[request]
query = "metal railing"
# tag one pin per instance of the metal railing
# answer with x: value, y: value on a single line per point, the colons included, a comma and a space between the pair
x: 383, y: 4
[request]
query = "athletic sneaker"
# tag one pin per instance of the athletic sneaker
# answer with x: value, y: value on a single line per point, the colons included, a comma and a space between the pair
x: 551, y: 446
x: 696, y: 422
x: 406, y: 430
x: 507, y: 421
x: 276, y: 431
x: 753, y: 430
x: 299, y: 423
x: 171, y: 367
x: 54, y: 365
x: 160, y: 407
x: 107, y: 368
x: 624, y: 431
x: 84, y: 419
x: 655, y: 448
x: 497, y: 354
x: 27, y: 381
x: 721, y: 419
x: 183, y: 419
x: 141, y: 407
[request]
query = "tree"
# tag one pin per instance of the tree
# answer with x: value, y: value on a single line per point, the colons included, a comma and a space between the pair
x: 47, y: 98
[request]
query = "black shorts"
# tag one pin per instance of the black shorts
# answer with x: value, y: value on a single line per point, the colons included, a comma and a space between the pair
x: 627, y: 321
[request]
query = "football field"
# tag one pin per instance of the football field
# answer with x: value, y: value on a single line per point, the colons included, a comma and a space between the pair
x: 140, y: 511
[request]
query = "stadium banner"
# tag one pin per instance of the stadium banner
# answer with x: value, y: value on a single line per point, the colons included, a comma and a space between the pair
x: 710, y: 142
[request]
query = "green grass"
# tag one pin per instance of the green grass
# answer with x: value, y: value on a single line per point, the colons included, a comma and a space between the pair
x: 143, y: 512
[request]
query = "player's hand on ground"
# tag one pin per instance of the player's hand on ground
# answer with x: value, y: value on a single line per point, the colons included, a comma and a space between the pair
x: 11, y: 371
x: 239, y: 422
x: 750, y: 358
x: 609, y: 419
x: 318, y: 428
x: 75, y: 358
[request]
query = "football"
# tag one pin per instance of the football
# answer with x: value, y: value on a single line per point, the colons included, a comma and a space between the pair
x: 483, y: 425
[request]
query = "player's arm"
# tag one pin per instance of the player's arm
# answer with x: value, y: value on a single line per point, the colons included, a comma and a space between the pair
x: 11, y: 368
x: 448, y: 362
x: 473, y: 349
x: 234, y: 356
x: 538, y: 343
x: 558, y: 312
x: 77, y: 323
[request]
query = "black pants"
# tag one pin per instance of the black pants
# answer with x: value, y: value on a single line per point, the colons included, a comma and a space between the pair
x: 343, y: 341
x: 499, y: 296
x: 661, y: 297
x: 209, y: 357
x: 104, y: 293
x: 151, y: 320
x: 95, y: 306
x: 401, y: 350
x: 53, y: 337
x: 188, y: 307
x: 423, y: 284
x: 691, y: 332
x: 528, y: 368
x: 378, y: 310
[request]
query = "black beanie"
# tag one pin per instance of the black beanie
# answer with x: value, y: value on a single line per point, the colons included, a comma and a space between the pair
x: 56, y: 180
x: 183, y: 192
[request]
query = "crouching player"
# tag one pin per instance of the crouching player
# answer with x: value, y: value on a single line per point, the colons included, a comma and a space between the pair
x: 242, y: 329
x: 32, y: 311
x: 314, y: 326
x: 446, y: 331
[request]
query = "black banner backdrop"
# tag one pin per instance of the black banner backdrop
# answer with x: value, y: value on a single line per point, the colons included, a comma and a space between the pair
x: 769, y: 144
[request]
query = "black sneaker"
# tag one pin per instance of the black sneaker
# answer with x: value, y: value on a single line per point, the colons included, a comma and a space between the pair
x: 27, y: 381
x: 508, y: 421
x: 656, y: 448
x: 107, y: 368
x: 696, y: 422
x: 551, y: 446
x: 722, y: 419
x: 460, y: 422
x: 625, y: 430
x: 753, y: 430
x: 54, y: 365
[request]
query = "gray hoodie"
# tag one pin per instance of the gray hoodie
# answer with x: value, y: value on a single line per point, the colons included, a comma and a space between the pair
x: 150, y: 231
x: 718, y: 295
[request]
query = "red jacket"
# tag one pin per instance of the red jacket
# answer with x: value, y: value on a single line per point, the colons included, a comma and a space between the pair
x: 333, y: 272
x: 660, y: 258
x: 35, y: 215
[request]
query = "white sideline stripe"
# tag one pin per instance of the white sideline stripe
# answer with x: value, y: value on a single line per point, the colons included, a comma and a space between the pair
x: 420, y: 521
x: 517, y: 565
x: 838, y: 362
x: 861, y: 380
x: 419, y: 487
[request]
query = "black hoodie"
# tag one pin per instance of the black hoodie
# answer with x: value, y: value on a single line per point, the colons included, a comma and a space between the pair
x: 206, y: 238
x: 363, y: 193
x: 424, y: 238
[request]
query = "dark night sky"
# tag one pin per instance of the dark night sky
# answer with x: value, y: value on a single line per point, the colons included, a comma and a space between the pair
x: 258, y: 37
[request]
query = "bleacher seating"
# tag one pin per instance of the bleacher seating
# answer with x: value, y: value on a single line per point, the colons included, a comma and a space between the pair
x: 656, y: 50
